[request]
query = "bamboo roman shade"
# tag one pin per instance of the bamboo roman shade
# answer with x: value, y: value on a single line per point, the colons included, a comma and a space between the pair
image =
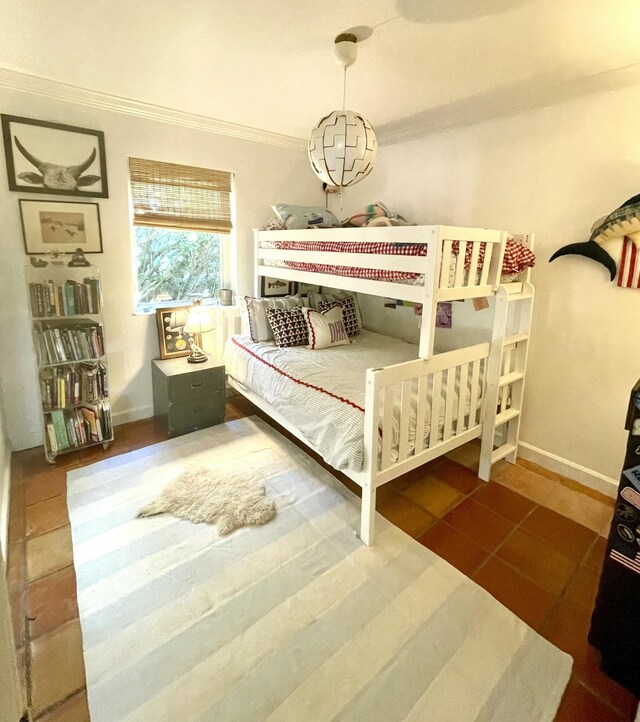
x: 167, y: 195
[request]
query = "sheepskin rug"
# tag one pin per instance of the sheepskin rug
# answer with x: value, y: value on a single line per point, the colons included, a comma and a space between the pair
x: 222, y: 497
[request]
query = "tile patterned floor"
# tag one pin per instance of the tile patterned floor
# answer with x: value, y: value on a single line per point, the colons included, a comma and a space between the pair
x: 512, y: 536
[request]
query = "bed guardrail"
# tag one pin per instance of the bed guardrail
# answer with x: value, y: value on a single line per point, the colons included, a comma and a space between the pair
x: 443, y: 394
x: 460, y: 262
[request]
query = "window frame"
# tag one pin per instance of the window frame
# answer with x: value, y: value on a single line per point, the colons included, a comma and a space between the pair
x: 228, y: 257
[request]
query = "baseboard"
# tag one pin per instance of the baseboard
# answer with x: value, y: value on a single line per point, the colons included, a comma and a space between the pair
x: 133, y: 414
x: 567, y: 468
x: 5, y: 499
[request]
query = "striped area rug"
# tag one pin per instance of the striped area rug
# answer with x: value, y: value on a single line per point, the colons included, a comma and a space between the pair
x: 295, y: 620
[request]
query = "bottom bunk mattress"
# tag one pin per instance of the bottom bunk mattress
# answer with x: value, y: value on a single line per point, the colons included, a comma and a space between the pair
x: 321, y: 392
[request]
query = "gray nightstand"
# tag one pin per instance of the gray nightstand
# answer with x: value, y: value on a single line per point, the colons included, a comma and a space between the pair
x: 187, y: 397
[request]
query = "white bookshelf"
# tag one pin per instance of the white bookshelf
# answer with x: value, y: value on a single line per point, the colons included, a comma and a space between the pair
x: 65, y: 306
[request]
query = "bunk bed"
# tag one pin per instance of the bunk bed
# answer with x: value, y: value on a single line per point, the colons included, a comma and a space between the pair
x: 406, y: 413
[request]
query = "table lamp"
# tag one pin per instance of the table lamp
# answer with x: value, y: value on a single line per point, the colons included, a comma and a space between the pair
x: 199, y: 321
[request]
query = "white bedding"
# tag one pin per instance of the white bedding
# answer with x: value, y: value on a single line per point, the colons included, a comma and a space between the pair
x: 321, y: 392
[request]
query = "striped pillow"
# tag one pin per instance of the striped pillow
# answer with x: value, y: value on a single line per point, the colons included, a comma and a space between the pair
x: 326, y: 328
x: 259, y: 328
x: 348, y: 311
x: 288, y: 326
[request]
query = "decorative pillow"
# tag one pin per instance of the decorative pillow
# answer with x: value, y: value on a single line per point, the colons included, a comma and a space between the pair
x: 366, y: 214
x: 326, y: 329
x: 348, y: 312
x: 295, y: 217
x: 273, y: 224
x: 316, y: 298
x: 288, y: 326
x: 259, y: 328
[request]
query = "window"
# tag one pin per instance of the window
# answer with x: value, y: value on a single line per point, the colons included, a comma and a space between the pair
x: 182, y: 220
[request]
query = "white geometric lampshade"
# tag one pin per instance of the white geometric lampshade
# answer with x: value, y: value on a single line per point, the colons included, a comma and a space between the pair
x: 342, y: 148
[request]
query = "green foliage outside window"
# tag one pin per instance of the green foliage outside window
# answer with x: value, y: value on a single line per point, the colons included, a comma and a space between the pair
x: 175, y: 265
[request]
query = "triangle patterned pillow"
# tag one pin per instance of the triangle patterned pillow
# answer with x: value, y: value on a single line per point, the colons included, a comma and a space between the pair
x: 289, y: 326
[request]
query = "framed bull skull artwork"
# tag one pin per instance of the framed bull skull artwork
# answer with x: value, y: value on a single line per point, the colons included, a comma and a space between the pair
x: 51, y: 158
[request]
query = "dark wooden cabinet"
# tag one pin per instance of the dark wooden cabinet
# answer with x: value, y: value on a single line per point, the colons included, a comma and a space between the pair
x: 187, y: 397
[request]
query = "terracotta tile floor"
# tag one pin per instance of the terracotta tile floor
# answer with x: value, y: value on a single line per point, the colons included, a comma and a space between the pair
x: 510, y: 536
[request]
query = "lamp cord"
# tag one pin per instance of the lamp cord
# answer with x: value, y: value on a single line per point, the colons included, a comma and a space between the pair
x: 344, y: 89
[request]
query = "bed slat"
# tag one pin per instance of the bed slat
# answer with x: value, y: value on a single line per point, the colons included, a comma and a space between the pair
x: 462, y: 254
x: 462, y: 397
x: 421, y: 409
x: 473, y: 268
x: 484, y: 274
x: 448, y: 403
x: 445, y: 264
x: 387, y: 426
x: 435, y: 408
x: 475, y: 390
x: 405, y: 418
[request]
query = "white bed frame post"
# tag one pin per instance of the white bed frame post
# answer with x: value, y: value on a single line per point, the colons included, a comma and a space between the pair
x: 429, y: 305
x: 370, y: 461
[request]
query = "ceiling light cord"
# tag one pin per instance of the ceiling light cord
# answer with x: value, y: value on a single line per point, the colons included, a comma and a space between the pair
x: 344, y: 89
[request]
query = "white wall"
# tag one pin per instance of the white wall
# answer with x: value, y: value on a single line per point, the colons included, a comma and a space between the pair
x: 263, y: 175
x: 5, y: 483
x: 552, y: 171
x: 12, y: 703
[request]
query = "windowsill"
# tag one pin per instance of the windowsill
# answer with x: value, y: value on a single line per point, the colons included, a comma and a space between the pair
x: 151, y: 308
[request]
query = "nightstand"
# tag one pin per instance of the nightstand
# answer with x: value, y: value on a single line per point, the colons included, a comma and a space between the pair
x: 187, y: 397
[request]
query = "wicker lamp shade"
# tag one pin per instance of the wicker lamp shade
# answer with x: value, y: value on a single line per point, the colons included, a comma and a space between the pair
x: 342, y: 148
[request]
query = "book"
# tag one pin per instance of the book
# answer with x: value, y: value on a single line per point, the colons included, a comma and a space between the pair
x: 59, y: 425
x: 51, y: 436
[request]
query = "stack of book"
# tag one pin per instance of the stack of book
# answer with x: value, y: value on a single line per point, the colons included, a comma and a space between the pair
x: 86, y: 424
x: 74, y: 342
x: 70, y: 385
x: 73, y: 298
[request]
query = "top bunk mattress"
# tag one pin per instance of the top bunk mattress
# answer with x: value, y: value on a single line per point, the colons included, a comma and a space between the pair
x: 321, y: 392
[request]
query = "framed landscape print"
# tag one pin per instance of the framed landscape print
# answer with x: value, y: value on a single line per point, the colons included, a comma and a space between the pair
x: 274, y: 286
x: 52, y: 158
x: 61, y: 226
x: 305, y: 288
x: 172, y: 338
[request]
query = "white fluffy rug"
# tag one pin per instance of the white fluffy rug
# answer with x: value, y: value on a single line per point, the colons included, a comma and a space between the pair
x: 222, y: 497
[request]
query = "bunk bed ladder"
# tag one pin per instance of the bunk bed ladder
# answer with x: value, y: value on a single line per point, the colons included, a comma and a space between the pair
x: 506, y: 369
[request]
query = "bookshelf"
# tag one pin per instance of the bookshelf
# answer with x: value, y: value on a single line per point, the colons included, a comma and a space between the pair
x: 65, y: 305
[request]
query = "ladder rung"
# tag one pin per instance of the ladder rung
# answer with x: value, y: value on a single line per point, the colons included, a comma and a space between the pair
x: 501, y: 452
x: 507, y: 415
x: 510, y: 378
x: 516, y: 338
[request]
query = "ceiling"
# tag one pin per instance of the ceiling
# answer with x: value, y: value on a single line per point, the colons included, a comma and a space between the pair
x: 266, y: 64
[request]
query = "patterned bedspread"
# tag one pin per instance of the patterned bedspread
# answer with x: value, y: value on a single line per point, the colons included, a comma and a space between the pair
x: 327, y: 407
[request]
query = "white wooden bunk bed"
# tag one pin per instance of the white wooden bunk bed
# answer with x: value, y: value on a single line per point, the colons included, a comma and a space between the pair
x: 397, y: 397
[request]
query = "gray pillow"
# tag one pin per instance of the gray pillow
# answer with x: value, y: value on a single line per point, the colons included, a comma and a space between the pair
x: 259, y: 327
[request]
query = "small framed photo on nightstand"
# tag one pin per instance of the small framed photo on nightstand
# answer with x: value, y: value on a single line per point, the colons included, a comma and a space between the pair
x: 173, y: 340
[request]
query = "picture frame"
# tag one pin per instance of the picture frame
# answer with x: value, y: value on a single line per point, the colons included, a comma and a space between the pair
x: 173, y: 341
x: 60, y: 226
x: 52, y: 158
x: 305, y: 288
x: 270, y: 287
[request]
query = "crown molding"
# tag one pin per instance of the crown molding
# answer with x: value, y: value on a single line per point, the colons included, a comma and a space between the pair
x: 16, y: 80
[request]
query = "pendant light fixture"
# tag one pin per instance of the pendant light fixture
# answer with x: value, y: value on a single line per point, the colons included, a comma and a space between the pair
x: 343, y: 145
